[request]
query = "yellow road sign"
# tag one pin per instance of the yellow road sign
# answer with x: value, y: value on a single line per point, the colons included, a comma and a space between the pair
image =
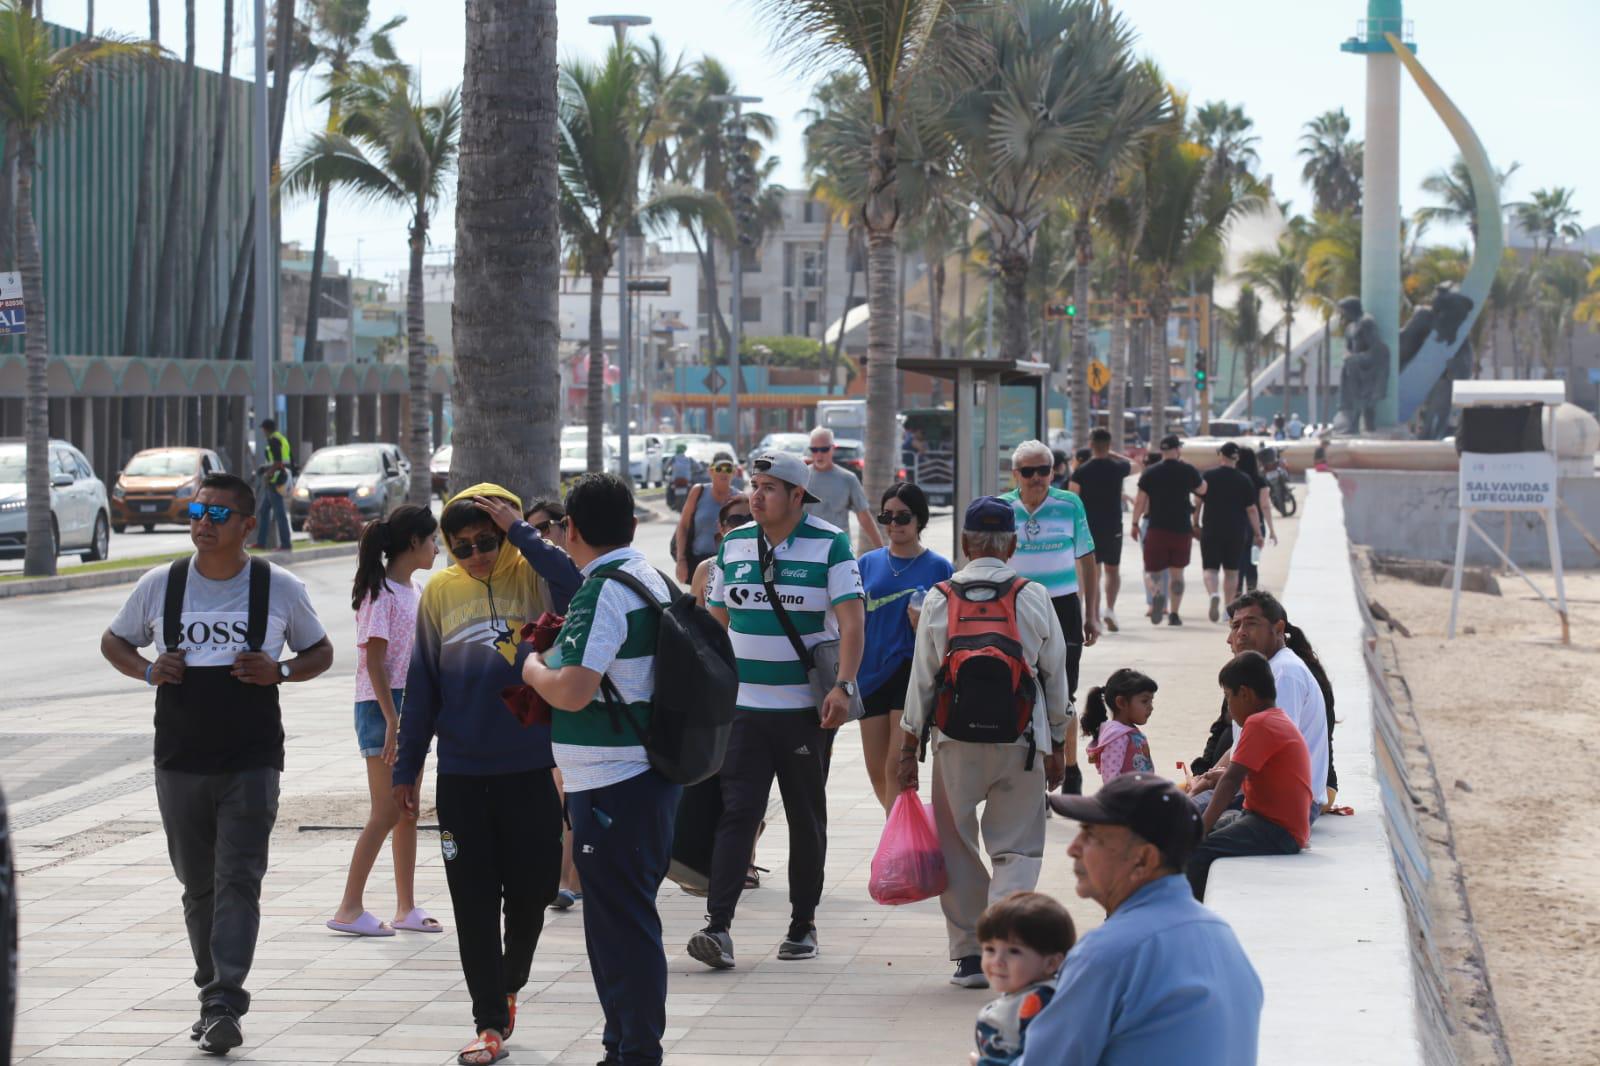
x: 1099, y: 376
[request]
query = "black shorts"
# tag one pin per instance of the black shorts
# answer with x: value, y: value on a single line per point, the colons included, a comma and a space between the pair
x: 1221, y: 549
x: 1107, y: 544
x: 889, y: 696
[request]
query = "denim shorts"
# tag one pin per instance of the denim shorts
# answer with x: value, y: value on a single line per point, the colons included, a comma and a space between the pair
x: 370, y: 726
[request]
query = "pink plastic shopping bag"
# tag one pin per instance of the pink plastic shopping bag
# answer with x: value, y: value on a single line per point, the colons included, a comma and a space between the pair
x: 908, y: 865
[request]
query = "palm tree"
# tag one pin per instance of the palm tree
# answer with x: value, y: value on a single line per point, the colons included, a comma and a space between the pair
x: 1280, y: 273
x: 1332, y: 163
x: 39, y: 90
x: 1122, y: 218
x: 392, y: 148
x: 1458, y: 201
x: 1245, y: 335
x: 339, y: 37
x: 1224, y: 129
x: 891, y: 42
x: 1547, y: 216
x: 194, y: 344
x: 169, y: 268
x: 134, y: 335
x: 508, y: 252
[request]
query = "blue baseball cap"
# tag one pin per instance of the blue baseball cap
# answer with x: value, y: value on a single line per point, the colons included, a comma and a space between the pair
x: 989, y: 514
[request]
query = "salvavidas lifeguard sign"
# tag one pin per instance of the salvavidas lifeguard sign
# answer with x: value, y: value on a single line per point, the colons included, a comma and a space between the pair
x: 1509, y: 481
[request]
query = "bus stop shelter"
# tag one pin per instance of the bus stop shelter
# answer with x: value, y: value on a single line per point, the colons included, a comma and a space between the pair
x: 999, y: 403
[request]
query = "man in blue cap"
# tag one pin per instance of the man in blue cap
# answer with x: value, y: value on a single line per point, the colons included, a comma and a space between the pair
x: 997, y: 724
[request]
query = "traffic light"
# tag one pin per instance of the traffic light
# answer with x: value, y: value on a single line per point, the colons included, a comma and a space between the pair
x: 1059, y: 310
x: 1201, y: 378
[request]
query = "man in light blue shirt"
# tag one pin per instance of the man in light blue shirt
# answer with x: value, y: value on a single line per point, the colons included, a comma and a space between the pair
x: 1164, y: 979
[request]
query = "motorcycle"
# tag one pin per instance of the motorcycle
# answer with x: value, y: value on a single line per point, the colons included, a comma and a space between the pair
x: 1280, y: 490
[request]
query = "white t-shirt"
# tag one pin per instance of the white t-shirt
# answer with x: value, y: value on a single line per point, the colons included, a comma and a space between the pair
x: 1300, y: 697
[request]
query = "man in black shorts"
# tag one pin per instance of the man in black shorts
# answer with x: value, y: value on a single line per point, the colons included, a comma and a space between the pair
x: 1098, y: 482
x: 1227, y: 523
x: 1164, y: 491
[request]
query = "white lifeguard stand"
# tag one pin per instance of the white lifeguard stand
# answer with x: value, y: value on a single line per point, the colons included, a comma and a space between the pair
x: 1514, y: 469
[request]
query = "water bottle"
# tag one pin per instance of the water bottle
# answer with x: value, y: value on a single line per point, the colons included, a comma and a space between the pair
x: 917, y: 596
x: 1255, y: 555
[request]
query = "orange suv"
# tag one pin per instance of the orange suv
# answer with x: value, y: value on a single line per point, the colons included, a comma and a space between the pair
x: 157, y: 486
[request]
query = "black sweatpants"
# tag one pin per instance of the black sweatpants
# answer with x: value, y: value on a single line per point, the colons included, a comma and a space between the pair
x: 793, y: 747
x: 621, y: 845
x: 1069, y: 612
x: 500, y: 835
x: 1237, y: 833
x: 218, y: 827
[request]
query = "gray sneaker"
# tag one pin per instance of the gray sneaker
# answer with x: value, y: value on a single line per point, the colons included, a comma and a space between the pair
x: 801, y: 943
x: 712, y: 946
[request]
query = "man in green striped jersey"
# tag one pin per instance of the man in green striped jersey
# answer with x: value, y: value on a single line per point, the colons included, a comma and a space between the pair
x: 620, y: 809
x: 779, y: 731
x: 1056, y: 549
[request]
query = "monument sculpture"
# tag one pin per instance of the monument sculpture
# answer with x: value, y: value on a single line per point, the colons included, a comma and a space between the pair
x: 1364, y: 377
x: 1440, y: 322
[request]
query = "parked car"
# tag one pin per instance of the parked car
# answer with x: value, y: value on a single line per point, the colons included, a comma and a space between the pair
x: 157, y: 485
x: 575, y: 458
x: 440, y: 466
x: 852, y: 455
x: 368, y: 475
x: 794, y: 443
x: 638, y: 458
x: 79, y: 515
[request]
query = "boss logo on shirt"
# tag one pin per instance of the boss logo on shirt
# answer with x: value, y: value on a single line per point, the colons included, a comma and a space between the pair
x: 200, y: 633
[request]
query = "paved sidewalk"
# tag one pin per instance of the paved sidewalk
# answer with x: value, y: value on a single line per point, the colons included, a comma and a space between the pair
x: 106, y: 967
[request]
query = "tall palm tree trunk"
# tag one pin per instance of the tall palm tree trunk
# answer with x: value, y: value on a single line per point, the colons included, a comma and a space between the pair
x: 314, y: 296
x: 936, y: 304
x: 508, y: 253
x: 1014, y: 294
x: 822, y: 299
x: 1288, y: 362
x: 194, y: 344
x: 1160, y: 372
x: 882, y: 329
x: 39, y: 554
x: 851, y: 242
x: 8, y: 205
x: 961, y: 303
x: 595, y: 408
x: 134, y: 333
x: 169, y: 270
x: 1077, y: 369
x: 418, y: 439
x: 1116, y: 393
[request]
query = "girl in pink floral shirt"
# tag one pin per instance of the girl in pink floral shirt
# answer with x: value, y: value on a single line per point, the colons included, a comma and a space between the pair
x: 1112, y: 718
x: 385, y: 602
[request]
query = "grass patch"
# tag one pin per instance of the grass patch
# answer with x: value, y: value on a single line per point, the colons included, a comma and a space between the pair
x: 145, y: 562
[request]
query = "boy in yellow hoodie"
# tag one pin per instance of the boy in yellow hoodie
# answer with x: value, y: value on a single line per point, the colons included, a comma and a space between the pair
x: 499, y: 813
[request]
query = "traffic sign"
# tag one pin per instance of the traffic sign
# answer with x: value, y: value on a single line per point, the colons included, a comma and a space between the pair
x: 13, y: 318
x: 715, y: 382
x: 1099, y: 375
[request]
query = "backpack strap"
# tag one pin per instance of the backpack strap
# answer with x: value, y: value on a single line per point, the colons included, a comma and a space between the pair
x: 260, y: 600
x: 616, y: 706
x: 172, y: 606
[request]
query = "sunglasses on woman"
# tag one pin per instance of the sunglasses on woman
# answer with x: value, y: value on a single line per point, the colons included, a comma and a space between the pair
x: 1034, y: 471
x: 484, y: 545
x: 218, y: 513
x: 896, y: 518
x: 722, y: 468
x: 544, y: 527
x: 735, y: 520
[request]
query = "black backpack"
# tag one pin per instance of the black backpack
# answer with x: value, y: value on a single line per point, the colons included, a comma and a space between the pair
x: 697, y: 685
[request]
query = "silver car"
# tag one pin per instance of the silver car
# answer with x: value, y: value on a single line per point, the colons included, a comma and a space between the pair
x: 79, y: 515
x: 368, y: 475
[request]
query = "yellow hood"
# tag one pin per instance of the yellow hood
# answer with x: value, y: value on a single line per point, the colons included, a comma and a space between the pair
x: 509, y: 556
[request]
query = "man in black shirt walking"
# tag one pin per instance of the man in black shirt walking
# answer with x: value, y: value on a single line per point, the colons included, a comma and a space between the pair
x: 1164, y: 491
x: 1227, y: 523
x: 1098, y: 482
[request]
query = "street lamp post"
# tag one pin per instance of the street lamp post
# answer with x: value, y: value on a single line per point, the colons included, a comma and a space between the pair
x: 736, y: 297
x: 620, y: 24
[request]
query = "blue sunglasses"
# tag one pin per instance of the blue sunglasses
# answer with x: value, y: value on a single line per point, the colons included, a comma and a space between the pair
x: 218, y: 514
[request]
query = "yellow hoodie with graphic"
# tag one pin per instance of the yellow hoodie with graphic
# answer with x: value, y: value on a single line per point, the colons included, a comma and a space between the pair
x: 466, y: 652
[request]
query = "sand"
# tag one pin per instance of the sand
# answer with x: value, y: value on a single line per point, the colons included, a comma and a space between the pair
x: 1510, y: 716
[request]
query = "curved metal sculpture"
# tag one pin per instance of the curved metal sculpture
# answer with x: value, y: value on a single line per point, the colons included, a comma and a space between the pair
x: 1449, y: 324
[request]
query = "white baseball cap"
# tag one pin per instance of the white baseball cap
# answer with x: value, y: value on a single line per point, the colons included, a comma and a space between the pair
x: 785, y: 466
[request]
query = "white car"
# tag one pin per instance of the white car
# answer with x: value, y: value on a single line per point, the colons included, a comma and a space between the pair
x: 79, y: 513
x: 575, y: 458
x: 638, y: 458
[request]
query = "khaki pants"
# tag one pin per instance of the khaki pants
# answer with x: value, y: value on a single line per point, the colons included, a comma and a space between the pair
x: 965, y: 775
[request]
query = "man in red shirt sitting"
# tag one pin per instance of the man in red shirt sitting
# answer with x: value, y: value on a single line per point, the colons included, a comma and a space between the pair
x: 1272, y: 764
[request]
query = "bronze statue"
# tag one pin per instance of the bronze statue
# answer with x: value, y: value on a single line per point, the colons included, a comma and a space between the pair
x: 1364, y: 377
x: 1440, y: 322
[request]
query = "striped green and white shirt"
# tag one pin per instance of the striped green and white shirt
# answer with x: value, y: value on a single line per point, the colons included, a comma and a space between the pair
x: 812, y: 570
x: 611, y: 631
x: 1051, y: 540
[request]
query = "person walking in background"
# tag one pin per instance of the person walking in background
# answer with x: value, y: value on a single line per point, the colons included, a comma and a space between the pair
x: 696, y: 536
x: 786, y: 570
x: 385, y: 602
x: 1228, y: 525
x: 499, y: 813
x: 1164, y: 491
x: 732, y: 515
x: 989, y: 694
x: 680, y: 475
x: 620, y: 809
x: 1055, y: 548
x: 220, y: 621
x: 277, y: 478
x: 1098, y: 482
x: 838, y: 492
x: 1061, y: 471
x: 894, y: 578
x: 1113, y: 719
x: 1249, y: 570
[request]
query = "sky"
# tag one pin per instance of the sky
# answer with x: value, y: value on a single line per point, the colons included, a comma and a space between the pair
x: 1518, y: 80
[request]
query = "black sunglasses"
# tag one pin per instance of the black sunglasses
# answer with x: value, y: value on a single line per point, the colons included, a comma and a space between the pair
x: 544, y: 527
x: 897, y: 518
x: 734, y: 520
x: 484, y: 545
x: 218, y: 513
x: 1034, y: 471
x: 824, y: 448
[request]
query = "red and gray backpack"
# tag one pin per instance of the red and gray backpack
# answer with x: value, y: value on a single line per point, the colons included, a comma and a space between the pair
x: 985, y: 690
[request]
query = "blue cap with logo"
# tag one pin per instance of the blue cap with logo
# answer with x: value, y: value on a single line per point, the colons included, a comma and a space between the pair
x: 989, y: 514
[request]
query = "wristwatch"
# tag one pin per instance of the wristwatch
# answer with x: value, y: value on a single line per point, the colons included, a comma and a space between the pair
x: 283, y: 671
x: 849, y: 688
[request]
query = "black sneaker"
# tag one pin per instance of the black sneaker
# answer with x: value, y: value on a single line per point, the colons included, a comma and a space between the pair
x: 1174, y: 620
x: 197, y: 1028
x: 1158, y: 604
x: 1216, y: 608
x: 969, y: 973
x: 221, y: 1035
x: 801, y: 943
x: 712, y: 946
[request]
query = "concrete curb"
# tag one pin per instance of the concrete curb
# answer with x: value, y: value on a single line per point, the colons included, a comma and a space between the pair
x: 127, y: 575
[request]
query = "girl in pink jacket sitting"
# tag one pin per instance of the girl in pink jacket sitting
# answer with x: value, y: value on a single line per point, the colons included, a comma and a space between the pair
x: 1112, y: 720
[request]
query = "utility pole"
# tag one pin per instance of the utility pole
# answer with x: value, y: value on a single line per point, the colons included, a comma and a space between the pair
x: 619, y: 27
x: 744, y: 216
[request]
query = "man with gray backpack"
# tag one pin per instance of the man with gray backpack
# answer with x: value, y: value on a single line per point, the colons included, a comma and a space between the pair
x: 641, y: 682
